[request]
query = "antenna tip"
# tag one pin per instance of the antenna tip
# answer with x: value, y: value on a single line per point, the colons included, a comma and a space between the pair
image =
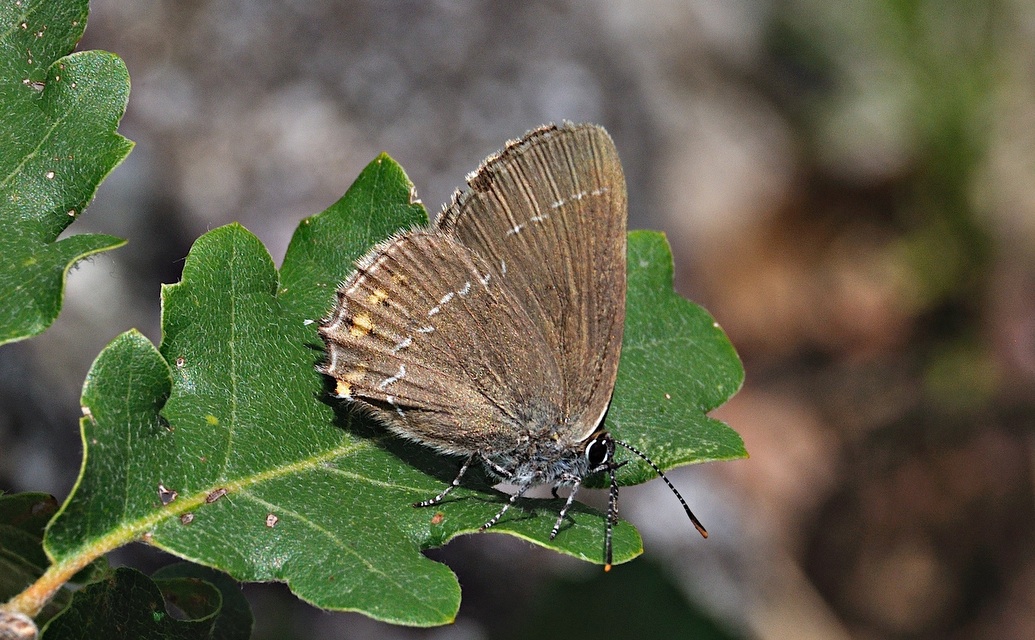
x: 607, y: 567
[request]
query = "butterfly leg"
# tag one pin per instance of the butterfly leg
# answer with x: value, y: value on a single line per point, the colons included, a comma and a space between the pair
x: 453, y: 485
x: 564, y: 510
x: 513, y: 498
x: 498, y: 470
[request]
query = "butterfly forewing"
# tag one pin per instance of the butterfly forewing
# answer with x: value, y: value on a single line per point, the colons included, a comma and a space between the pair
x: 425, y: 332
x: 548, y: 215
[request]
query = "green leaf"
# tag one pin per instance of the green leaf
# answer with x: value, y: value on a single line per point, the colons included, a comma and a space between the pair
x: 273, y: 481
x: 57, y: 143
x: 28, y: 512
x: 186, y: 586
x: 677, y: 364
x: 23, y: 517
x: 128, y: 604
x: 314, y: 497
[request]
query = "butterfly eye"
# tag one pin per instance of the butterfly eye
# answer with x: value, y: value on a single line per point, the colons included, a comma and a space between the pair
x: 598, y: 451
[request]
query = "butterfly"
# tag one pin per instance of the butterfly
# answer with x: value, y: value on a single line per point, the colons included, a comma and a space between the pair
x: 495, y: 334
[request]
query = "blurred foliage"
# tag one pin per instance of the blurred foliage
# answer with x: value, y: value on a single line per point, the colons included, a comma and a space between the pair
x: 891, y: 101
x: 893, y: 105
x: 914, y: 80
x: 636, y: 600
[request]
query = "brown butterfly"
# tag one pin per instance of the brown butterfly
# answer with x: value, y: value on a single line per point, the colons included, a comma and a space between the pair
x: 495, y: 333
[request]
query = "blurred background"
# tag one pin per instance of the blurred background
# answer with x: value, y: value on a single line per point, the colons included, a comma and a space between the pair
x: 849, y: 188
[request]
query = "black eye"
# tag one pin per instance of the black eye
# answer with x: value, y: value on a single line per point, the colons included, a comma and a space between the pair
x: 598, y: 451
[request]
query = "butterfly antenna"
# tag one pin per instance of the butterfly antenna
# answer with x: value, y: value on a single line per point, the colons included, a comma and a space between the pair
x: 612, y: 517
x: 686, y: 507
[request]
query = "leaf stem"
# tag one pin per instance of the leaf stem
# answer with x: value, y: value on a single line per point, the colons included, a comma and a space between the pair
x: 33, y: 599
